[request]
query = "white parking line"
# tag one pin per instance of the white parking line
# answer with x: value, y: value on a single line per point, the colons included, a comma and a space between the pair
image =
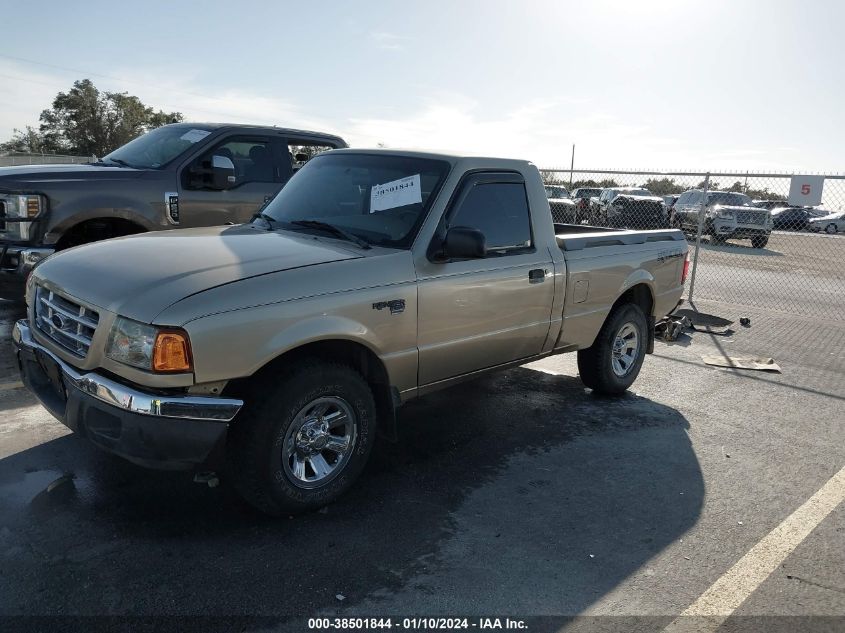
x: 723, y: 597
x: 6, y: 386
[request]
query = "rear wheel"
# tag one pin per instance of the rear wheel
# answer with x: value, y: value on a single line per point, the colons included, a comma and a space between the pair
x: 303, y: 437
x: 614, y: 360
x: 831, y: 228
x: 759, y: 241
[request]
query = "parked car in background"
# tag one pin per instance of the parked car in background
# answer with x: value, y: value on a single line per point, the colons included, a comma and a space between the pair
x: 832, y: 223
x: 791, y: 218
x: 770, y: 204
x: 669, y: 207
x: 562, y: 207
x: 180, y: 175
x: 628, y: 207
x: 582, y: 197
x: 726, y: 215
x: 279, y: 349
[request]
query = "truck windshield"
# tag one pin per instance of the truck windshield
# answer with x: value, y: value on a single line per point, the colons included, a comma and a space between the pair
x: 158, y: 147
x: 380, y: 198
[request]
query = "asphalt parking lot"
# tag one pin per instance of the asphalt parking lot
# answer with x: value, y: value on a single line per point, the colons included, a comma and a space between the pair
x: 521, y: 493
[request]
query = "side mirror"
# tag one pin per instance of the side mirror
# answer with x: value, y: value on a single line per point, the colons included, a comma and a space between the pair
x: 222, y: 172
x: 463, y: 242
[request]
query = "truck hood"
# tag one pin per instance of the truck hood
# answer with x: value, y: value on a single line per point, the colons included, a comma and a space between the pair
x: 139, y: 276
x: 37, y: 178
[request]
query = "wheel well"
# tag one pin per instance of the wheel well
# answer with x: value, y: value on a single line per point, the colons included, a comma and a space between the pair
x: 350, y: 353
x: 640, y: 295
x: 97, y: 229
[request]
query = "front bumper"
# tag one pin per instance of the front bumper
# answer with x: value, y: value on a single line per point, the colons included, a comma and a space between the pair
x: 164, y: 431
x: 732, y: 229
x: 16, y: 262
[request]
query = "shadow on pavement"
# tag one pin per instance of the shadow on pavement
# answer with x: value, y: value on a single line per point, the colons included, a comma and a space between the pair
x: 528, y: 468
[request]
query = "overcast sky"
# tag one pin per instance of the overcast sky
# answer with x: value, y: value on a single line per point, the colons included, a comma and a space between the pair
x: 722, y: 84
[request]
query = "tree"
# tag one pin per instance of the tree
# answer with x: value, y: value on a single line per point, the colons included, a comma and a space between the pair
x: 27, y: 141
x: 663, y: 186
x: 85, y: 121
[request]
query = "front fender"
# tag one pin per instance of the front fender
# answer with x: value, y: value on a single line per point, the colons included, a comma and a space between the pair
x: 67, y: 216
x: 236, y: 344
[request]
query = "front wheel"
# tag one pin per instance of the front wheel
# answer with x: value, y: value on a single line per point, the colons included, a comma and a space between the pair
x: 614, y: 360
x: 759, y: 241
x: 303, y: 437
x: 830, y: 229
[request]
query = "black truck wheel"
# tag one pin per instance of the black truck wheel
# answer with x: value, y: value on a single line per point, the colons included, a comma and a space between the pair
x: 302, y: 438
x: 759, y: 241
x: 614, y: 360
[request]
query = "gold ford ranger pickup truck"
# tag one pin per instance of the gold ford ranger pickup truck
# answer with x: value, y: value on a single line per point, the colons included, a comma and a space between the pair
x: 275, y: 349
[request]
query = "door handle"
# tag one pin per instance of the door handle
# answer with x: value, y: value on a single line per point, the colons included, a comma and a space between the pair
x: 536, y: 275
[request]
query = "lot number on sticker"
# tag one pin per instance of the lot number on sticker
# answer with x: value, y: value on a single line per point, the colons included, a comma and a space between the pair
x: 396, y: 193
x: 806, y: 191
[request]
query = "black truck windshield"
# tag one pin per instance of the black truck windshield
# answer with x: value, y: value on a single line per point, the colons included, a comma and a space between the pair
x: 382, y: 199
x: 157, y: 147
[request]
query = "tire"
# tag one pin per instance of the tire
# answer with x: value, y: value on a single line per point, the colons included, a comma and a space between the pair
x: 717, y: 239
x: 831, y: 228
x: 290, y: 419
x: 596, y: 363
x: 759, y: 241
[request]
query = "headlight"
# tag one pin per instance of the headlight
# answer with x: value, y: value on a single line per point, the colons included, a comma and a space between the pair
x: 148, y: 347
x: 22, y: 206
x: 726, y: 215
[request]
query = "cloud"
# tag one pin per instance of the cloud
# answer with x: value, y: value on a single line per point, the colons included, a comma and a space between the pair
x: 28, y: 89
x: 389, y: 41
x: 541, y: 131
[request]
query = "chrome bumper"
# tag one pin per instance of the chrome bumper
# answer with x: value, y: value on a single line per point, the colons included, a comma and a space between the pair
x: 20, y: 260
x: 127, y: 398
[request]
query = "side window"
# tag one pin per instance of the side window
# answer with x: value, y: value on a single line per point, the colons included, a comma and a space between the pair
x: 253, y: 159
x: 300, y: 152
x: 500, y: 211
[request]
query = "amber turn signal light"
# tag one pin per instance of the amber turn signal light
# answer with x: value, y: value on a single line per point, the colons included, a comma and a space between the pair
x: 172, y: 352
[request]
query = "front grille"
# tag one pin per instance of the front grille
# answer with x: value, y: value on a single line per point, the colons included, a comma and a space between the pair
x: 69, y: 324
x: 751, y: 217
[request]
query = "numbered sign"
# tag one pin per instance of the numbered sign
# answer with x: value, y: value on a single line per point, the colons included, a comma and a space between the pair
x: 806, y: 191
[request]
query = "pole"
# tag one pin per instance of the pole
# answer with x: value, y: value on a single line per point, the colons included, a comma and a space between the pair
x: 698, y: 236
x: 572, y: 165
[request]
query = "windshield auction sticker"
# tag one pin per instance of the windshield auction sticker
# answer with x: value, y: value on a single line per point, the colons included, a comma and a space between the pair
x: 194, y: 135
x: 397, y: 193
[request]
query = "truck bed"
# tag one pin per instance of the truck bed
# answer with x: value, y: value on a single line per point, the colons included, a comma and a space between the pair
x: 574, y: 237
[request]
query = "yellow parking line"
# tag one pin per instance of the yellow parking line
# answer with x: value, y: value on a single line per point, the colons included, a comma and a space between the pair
x: 723, y: 597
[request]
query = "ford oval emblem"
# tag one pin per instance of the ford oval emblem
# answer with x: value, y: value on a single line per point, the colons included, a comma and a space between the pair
x: 58, y: 321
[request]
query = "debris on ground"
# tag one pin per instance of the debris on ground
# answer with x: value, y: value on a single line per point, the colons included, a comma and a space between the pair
x: 745, y: 321
x: 671, y: 327
x: 758, y: 364
x: 340, y: 597
x: 713, y: 329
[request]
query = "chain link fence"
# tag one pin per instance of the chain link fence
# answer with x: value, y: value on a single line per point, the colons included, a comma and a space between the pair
x: 749, y: 246
x: 13, y: 160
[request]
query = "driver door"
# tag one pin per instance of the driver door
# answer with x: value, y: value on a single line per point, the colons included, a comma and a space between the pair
x: 259, y: 174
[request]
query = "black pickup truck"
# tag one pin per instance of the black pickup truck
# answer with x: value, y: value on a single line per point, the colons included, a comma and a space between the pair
x: 181, y: 175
